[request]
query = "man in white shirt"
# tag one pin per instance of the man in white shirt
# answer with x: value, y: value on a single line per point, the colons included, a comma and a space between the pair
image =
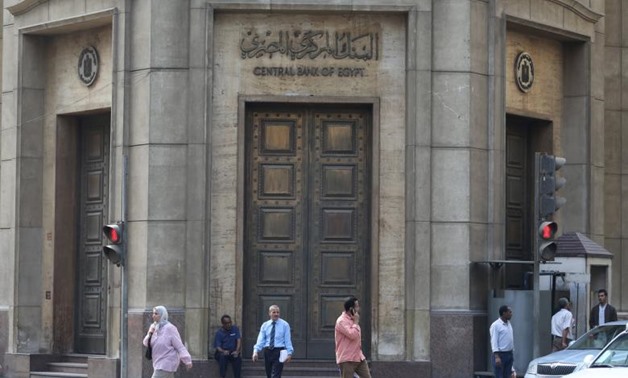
x: 502, y: 344
x: 561, y: 325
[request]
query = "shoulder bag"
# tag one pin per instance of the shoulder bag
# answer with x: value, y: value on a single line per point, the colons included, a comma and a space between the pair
x: 149, y: 350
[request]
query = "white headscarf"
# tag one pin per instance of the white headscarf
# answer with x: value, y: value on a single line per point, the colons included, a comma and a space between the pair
x: 163, y: 316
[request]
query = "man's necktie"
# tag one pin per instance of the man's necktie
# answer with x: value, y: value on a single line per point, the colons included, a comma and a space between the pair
x: 272, y: 337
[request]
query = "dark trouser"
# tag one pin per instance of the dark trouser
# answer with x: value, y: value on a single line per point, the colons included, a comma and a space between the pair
x: 223, y: 361
x: 557, y: 343
x: 505, y: 369
x: 271, y: 362
x: 349, y: 369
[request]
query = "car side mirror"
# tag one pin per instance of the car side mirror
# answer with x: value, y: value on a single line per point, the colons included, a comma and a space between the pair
x: 588, y: 359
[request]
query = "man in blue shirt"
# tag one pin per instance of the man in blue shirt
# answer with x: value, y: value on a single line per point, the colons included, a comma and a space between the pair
x: 228, y: 344
x: 273, y: 338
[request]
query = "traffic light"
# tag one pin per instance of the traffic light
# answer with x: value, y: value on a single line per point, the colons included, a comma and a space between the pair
x: 549, y: 183
x: 547, y: 245
x: 547, y: 202
x: 114, y: 251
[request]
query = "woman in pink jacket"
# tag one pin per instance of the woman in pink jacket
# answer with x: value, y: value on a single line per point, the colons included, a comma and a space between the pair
x: 168, y: 349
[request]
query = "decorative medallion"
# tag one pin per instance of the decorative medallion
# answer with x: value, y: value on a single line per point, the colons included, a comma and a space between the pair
x: 524, y: 72
x: 88, y: 65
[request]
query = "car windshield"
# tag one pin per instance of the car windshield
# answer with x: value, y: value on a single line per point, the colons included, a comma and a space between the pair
x: 615, y: 355
x: 598, y: 337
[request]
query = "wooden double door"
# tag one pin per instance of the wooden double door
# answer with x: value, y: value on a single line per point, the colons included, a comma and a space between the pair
x: 307, y: 220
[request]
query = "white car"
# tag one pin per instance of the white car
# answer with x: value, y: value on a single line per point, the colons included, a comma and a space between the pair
x: 566, y: 361
x: 612, y: 362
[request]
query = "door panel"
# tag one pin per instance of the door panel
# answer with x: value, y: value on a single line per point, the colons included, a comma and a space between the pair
x: 306, y: 219
x: 91, y: 270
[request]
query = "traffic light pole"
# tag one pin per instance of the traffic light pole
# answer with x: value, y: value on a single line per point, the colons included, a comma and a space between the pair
x: 536, y: 291
x: 124, y: 331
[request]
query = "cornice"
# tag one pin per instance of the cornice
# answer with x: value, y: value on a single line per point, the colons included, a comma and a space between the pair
x: 579, y: 9
x: 24, y: 6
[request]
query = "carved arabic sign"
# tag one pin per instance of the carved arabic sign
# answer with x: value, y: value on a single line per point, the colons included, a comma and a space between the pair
x: 310, y: 44
x: 524, y: 72
x: 88, y: 65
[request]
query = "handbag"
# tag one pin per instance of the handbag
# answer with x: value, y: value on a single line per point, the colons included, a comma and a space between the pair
x: 149, y: 350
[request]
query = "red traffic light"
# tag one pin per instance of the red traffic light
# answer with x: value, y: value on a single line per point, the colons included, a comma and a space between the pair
x: 547, y: 230
x: 113, y: 232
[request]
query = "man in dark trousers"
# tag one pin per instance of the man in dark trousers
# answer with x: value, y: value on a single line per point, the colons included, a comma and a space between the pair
x: 502, y: 344
x: 228, y: 344
x: 602, y: 312
x: 275, y: 341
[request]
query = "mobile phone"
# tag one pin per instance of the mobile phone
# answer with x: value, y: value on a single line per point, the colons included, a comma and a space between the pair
x: 352, y: 310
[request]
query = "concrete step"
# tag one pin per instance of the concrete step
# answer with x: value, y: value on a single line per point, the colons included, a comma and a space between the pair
x: 68, y: 367
x: 53, y: 374
x: 296, y: 368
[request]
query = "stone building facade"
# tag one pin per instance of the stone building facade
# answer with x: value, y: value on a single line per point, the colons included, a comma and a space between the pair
x: 295, y: 152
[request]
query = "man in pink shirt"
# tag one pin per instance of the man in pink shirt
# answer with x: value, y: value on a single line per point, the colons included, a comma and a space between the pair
x: 349, y: 356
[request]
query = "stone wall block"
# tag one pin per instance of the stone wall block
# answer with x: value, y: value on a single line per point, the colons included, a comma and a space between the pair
x: 196, y: 182
x: 597, y: 68
x: 196, y: 261
x: 169, y: 41
x: 7, y: 193
x: 423, y: 40
x: 31, y: 138
x: 479, y: 37
x: 478, y: 112
x: 138, y: 181
x: 597, y: 132
x: 196, y: 105
x: 612, y: 142
x: 37, y: 15
x: 575, y: 66
x: 574, y: 216
x: 29, y: 290
x: 612, y: 206
x: 419, y: 198
x: 198, y: 37
x: 61, y: 9
x: 168, y: 107
x: 451, y: 110
x: 140, y: 102
x: 96, y: 5
x: 32, y: 69
x: 9, y: 109
x: 450, y: 287
x: 419, y: 262
x: 597, y: 201
x: 419, y: 337
x: 141, y: 37
x: 7, y: 273
x: 450, y: 244
x: 28, y: 329
x: 166, y: 263
x: 30, y: 192
x: 517, y: 8
x: 451, y: 185
x: 167, y: 182
x: 574, y: 133
x: 624, y: 78
x: 612, y: 77
x: 9, y: 58
x: 478, y: 201
x: 546, y: 12
x: 419, y: 112
x: 137, y: 260
x: 451, y: 35
x: 8, y: 143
